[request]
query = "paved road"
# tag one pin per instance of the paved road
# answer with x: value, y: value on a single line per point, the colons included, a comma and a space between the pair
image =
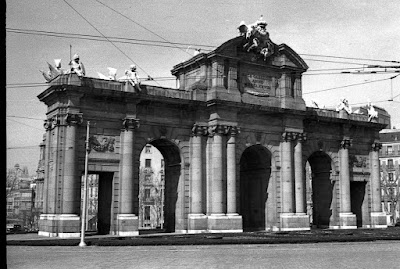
x: 384, y: 254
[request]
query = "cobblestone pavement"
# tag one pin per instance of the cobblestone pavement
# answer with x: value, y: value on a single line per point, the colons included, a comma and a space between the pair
x: 381, y: 254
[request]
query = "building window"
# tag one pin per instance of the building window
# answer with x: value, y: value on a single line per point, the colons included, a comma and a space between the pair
x: 162, y: 163
x: 148, y: 163
x: 146, y: 194
x: 390, y: 163
x: 147, y: 178
x: 389, y: 150
x: 390, y: 177
x: 147, y: 213
x: 148, y: 149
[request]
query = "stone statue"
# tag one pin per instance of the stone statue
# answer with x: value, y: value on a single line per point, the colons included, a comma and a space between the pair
x: 54, y: 71
x: 344, y: 105
x: 372, y: 113
x: 112, y: 74
x: 257, y: 38
x: 76, y: 66
x: 132, y: 77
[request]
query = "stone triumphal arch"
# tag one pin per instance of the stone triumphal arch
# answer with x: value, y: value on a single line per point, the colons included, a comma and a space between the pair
x: 236, y: 137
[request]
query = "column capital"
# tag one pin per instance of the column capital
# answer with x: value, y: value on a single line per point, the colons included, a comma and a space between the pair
x: 376, y: 146
x: 48, y: 124
x: 73, y: 119
x: 345, y: 143
x: 130, y: 123
x: 199, y: 130
x: 289, y: 136
x: 301, y: 137
x: 223, y: 130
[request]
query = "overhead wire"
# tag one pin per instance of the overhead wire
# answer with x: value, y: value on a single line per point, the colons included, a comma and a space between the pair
x: 350, y: 85
x: 165, y: 43
x: 126, y: 55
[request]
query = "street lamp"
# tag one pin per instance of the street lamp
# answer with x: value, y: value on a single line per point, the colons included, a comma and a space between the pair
x: 83, y: 212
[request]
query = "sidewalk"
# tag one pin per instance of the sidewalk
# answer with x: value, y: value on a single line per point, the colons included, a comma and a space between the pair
x: 259, y: 237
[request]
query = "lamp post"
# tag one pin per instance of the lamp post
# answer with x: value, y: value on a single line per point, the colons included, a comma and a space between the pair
x: 83, y: 212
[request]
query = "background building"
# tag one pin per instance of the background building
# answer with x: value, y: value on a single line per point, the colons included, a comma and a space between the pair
x: 390, y: 173
x: 151, y: 188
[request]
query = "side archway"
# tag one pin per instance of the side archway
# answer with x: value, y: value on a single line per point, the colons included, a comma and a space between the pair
x: 321, y: 188
x: 172, y: 173
x: 255, y: 172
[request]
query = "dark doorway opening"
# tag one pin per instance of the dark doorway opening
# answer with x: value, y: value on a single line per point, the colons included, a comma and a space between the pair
x: 255, y: 171
x: 104, y: 202
x: 322, y: 188
x: 99, y: 197
x: 357, y: 193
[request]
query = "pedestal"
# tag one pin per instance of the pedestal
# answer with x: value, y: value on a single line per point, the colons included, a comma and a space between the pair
x: 61, y: 225
x: 225, y: 223
x: 128, y: 225
x: 197, y: 223
x: 378, y: 220
x: 295, y: 222
x: 347, y: 221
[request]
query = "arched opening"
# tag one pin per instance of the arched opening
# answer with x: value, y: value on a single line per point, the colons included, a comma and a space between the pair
x: 159, y: 172
x: 319, y: 187
x: 255, y: 171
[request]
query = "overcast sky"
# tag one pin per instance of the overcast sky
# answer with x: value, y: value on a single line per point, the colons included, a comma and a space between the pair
x: 363, y: 30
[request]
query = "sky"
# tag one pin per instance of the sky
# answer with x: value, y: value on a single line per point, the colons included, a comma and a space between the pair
x: 159, y: 34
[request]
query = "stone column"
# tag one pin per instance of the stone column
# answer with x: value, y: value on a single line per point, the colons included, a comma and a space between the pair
x: 378, y: 218
x: 47, y: 226
x: 218, y: 220
x: 72, y: 176
x: 347, y: 218
x: 287, y: 173
x: 231, y: 172
x: 292, y: 216
x: 48, y: 126
x: 197, y: 221
x: 301, y: 218
x: 299, y: 175
x: 217, y: 204
x: 127, y: 221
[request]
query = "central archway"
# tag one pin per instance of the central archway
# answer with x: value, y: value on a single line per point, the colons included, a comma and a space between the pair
x: 255, y: 171
x: 322, y: 187
x: 171, y: 163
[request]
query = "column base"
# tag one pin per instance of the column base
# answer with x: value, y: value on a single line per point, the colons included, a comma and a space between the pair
x: 61, y: 225
x: 197, y: 223
x: 221, y: 223
x: 127, y: 225
x: 295, y: 222
x: 379, y: 220
x: 347, y: 221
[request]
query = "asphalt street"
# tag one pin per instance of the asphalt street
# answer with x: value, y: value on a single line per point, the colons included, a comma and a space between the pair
x: 378, y: 254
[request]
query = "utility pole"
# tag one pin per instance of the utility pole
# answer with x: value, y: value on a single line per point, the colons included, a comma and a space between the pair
x: 83, y: 212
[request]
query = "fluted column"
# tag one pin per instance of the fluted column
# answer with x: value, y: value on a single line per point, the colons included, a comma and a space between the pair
x: 345, y: 206
x: 127, y: 166
x: 287, y: 173
x: 217, y: 204
x: 196, y: 184
x: 47, y: 208
x: 299, y: 174
x: 72, y: 177
x: 231, y: 171
x: 127, y: 221
x: 376, y: 205
x: 378, y: 218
